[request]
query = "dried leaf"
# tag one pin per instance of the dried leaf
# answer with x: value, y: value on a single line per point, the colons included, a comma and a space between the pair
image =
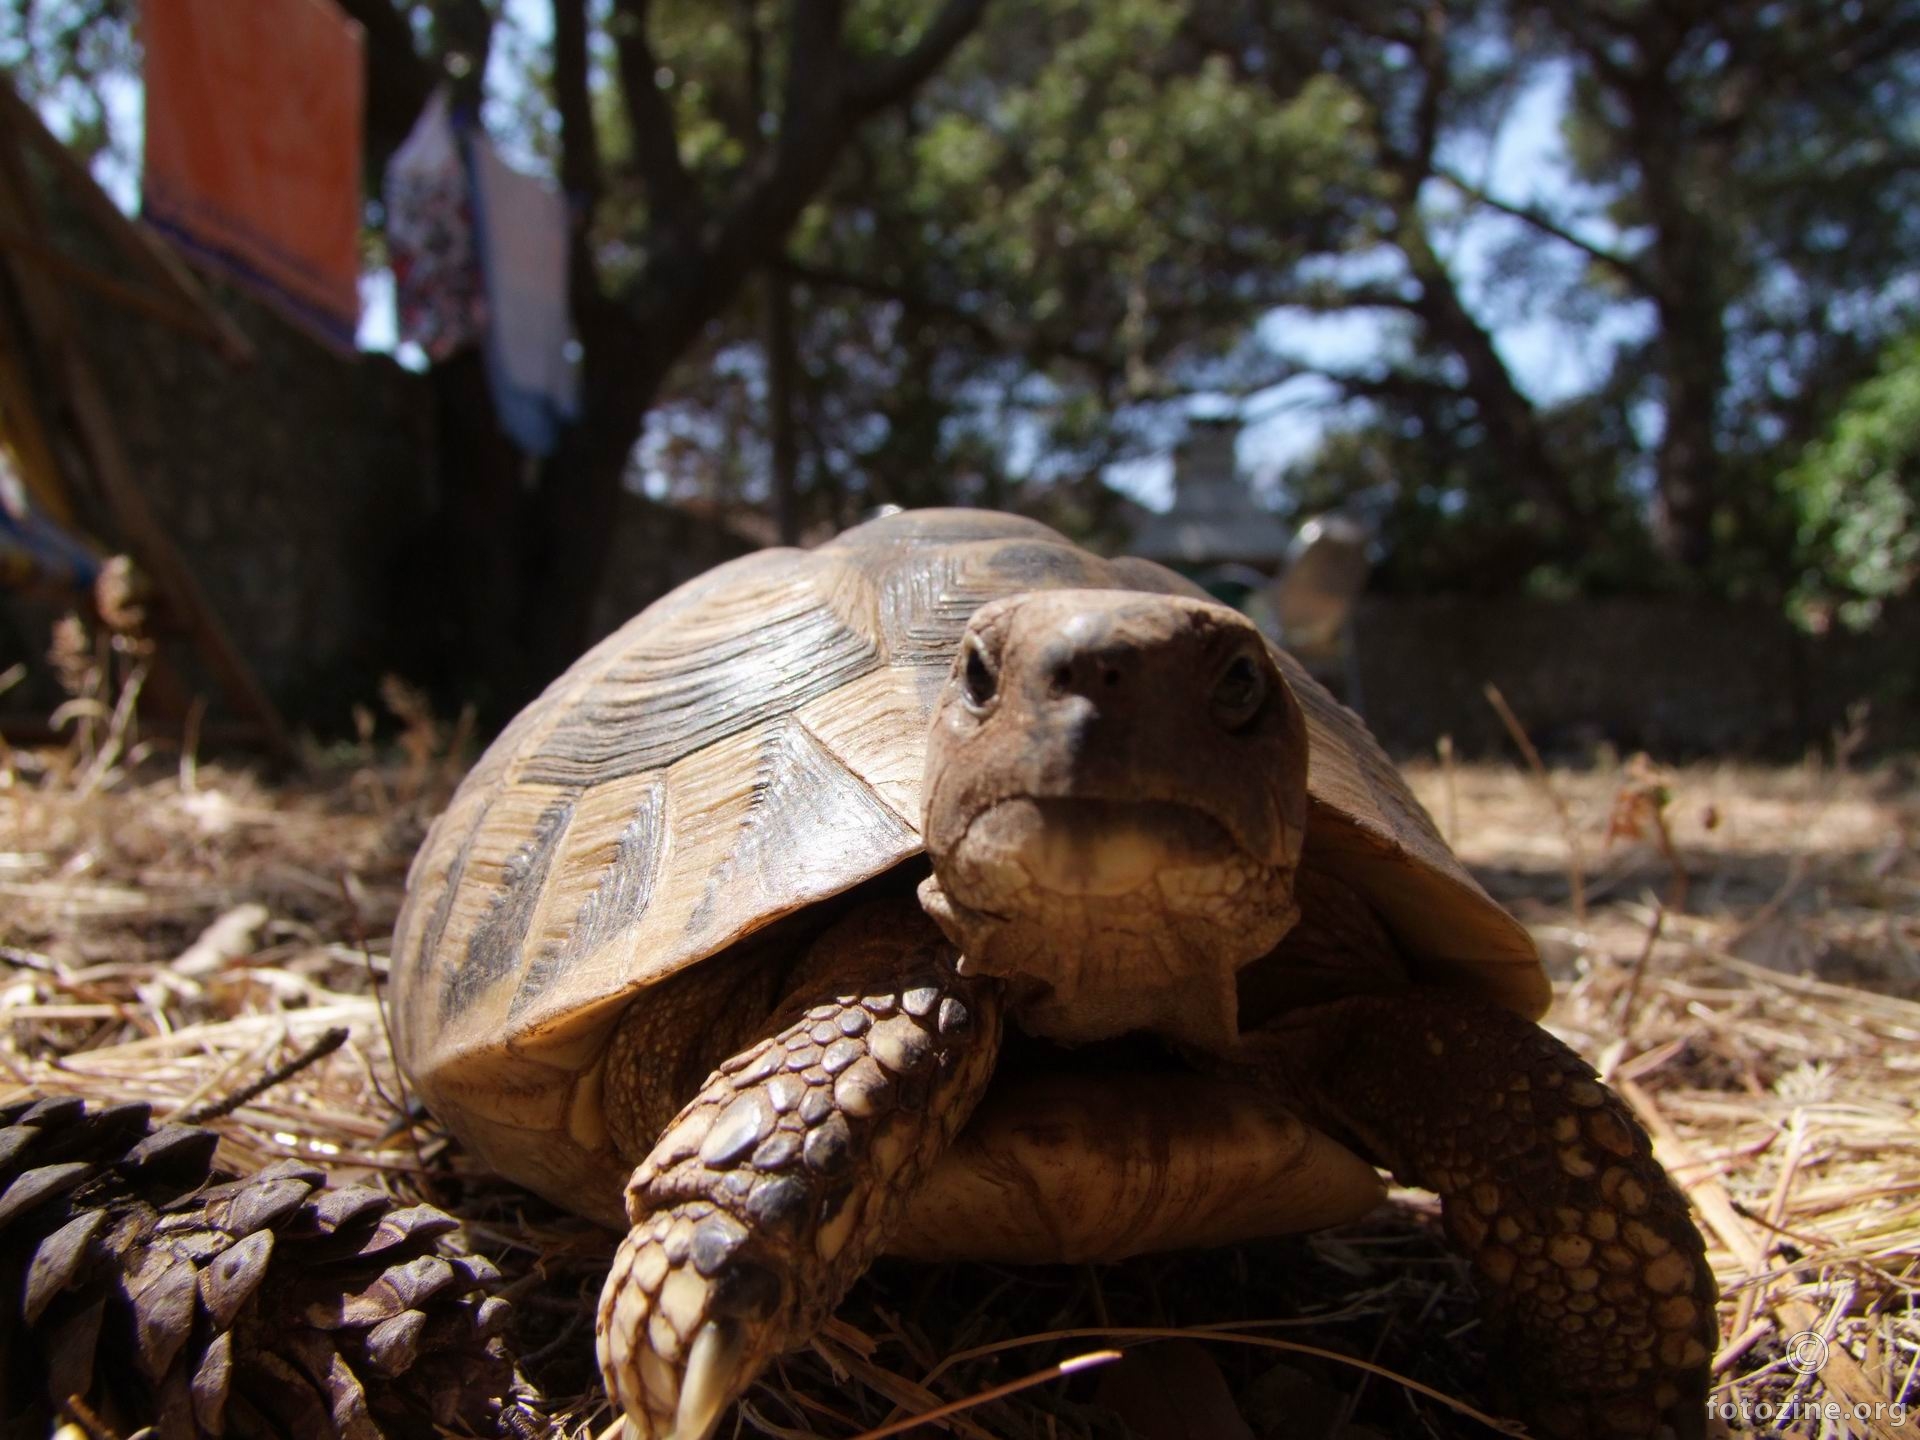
x: 221, y: 943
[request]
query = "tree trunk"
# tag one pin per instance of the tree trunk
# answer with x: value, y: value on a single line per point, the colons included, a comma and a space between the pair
x: 575, y: 509
x: 1512, y: 425
x: 1693, y: 366
x: 527, y: 617
x: 477, y: 584
x: 1684, y: 263
x: 1687, y: 466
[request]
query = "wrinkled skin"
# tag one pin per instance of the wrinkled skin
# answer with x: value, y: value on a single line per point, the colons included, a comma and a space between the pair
x: 1115, y: 805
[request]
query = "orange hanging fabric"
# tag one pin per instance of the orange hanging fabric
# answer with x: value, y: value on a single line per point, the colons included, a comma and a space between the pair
x: 253, y: 147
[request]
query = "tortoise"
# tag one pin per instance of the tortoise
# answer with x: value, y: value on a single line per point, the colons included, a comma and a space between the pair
x: 950, y: 892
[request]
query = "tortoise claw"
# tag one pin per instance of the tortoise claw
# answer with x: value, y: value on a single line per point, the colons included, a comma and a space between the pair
x: 713, y: 1378
x: 677, y: 1345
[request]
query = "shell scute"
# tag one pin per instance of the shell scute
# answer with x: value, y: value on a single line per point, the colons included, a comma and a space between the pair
x: 599, y: 884
x: 927, y: 596
x: 810, y: 823
x: 701, y: 674
x: 861, y: 726
x: 1366, y: 827
x: 495, y: 939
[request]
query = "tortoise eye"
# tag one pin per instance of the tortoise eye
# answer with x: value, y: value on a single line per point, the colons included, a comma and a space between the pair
x: 979, y: 682
x: 1239, y: 692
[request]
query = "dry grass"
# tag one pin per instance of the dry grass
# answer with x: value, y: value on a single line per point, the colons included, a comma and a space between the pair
x: 1745, y: 971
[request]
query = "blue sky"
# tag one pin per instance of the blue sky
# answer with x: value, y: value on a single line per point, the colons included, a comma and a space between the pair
x: 1526, y: 163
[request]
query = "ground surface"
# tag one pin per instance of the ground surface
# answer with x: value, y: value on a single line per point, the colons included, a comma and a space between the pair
x: 1750, y: 979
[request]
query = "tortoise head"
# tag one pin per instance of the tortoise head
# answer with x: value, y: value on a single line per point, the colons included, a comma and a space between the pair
x: 1115, y: 800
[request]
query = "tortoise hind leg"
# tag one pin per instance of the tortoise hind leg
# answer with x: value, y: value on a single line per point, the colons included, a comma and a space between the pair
x: 775, y: 1188
x: 1598, y: 1299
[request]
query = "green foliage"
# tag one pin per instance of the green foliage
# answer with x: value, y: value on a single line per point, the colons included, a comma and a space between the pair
x: 1070, y: 233
x: 64, y: 56
x: 1753, y: 168
x: 1857, y: 492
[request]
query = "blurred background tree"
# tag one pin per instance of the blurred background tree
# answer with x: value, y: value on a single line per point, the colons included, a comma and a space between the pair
x: 1556, y: 293
x: 1857, y: 491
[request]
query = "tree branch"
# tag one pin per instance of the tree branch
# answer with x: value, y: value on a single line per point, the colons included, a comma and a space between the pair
x: 1627, y: 268
x: 579, y: 144
x: 1592, y: 32
x: 1435, y: 78
x: 656, y: 138
x: 398, y: 80
x: 883, y: 83
x: 752, y: 134
x: 1393, y: 385
x: 1031, y: 344
x: 1333, y: 297
x: 816, y: 65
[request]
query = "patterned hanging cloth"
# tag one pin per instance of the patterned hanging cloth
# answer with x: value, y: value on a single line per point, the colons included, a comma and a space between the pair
x: 438, y: 289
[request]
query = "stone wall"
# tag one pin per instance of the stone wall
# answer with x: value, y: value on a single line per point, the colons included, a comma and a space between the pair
x: 292, y: 484
x: 1676, y: 677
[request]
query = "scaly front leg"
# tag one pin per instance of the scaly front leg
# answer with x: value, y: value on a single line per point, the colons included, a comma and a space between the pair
x: 1599, y: 1302
x: 775, y: 1188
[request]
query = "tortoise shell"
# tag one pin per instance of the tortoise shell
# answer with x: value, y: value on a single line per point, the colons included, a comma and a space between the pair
x: 751, y: 745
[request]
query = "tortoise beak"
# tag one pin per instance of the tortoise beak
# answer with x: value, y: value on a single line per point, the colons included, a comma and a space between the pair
x: 1077, y: 846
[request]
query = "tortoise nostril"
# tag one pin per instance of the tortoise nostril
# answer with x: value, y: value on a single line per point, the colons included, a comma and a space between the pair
x: 1088, y: 667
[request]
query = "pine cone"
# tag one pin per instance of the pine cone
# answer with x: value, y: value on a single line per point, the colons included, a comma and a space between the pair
x: 165, y: 1292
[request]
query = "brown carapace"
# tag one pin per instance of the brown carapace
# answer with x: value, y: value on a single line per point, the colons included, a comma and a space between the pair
x: 732, y: 921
